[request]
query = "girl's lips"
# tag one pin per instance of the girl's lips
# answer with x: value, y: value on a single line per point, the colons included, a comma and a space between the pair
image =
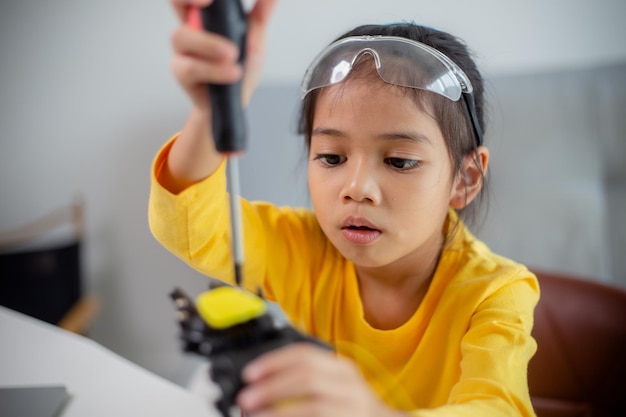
x: 360, y: 236
x: 359, y: 231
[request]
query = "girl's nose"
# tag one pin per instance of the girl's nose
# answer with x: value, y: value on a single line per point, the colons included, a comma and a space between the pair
x: 361, y: 184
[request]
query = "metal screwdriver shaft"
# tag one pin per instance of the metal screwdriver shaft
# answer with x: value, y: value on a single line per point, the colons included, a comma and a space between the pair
x: 235, y: 217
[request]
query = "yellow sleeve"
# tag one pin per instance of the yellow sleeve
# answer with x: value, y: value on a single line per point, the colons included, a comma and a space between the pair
x: 195, y: 226
x: 495, y: 353
x: 169, y: 217
x: 497, y: 348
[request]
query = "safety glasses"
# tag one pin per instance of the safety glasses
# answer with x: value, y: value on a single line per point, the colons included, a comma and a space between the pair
x: 399, y: 61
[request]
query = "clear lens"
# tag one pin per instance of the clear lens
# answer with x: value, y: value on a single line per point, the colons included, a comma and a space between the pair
x: 399, y: 61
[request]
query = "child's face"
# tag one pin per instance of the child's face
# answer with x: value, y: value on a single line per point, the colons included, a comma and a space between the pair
x: 379, y: 174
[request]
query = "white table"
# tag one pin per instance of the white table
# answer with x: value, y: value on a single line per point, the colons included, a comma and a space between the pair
x: 100, y: 382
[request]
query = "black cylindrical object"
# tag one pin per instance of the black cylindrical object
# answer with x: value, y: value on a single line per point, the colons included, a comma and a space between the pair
x: 227, y: 18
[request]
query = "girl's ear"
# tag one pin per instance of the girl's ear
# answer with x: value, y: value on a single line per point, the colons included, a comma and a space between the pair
x: 469, y: 180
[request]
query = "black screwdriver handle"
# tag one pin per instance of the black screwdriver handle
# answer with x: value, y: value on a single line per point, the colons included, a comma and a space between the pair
x: 227, y: 18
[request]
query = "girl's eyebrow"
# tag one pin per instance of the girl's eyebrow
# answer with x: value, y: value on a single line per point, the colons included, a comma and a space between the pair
x: 394, y: 136
x: 406, y: 136
x: 327, y: 131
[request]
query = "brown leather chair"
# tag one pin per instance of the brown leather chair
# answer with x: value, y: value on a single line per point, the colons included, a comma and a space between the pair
x: 579, y: 369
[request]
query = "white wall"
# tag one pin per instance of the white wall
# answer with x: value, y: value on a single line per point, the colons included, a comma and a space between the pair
x: 508, y: 36
x: 86, y: 99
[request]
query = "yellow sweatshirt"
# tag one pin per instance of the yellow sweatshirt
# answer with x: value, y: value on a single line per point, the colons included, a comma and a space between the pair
x: 464, y: 352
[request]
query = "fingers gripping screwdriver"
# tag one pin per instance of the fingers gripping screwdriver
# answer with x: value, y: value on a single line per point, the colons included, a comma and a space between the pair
x: 227, y: 18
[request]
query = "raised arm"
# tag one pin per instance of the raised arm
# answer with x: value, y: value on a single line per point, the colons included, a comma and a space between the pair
x: 200, y: 58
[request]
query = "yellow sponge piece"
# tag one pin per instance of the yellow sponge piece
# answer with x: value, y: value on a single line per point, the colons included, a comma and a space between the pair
x: 224, y: 307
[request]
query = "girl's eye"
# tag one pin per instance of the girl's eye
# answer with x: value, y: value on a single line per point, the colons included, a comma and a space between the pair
x: 402, y: 164
x: 330, y: 160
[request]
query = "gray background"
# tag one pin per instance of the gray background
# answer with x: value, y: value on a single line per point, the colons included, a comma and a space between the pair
x: 87, y: 98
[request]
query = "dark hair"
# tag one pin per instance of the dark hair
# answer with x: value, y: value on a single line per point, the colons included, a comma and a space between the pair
x: 452, y: 116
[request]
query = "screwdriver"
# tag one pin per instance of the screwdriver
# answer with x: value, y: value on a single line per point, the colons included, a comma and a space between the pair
x: 228, y: 18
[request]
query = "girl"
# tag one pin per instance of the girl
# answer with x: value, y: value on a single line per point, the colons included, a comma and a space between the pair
x: 424, y: 319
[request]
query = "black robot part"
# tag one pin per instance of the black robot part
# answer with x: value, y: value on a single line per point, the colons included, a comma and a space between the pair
x: 230, y: 350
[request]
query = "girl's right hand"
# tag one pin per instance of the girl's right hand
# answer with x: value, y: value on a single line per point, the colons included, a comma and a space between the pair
x: 200, y: 57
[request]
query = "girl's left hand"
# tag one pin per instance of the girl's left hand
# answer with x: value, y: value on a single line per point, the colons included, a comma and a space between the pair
x: 302, y: 380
